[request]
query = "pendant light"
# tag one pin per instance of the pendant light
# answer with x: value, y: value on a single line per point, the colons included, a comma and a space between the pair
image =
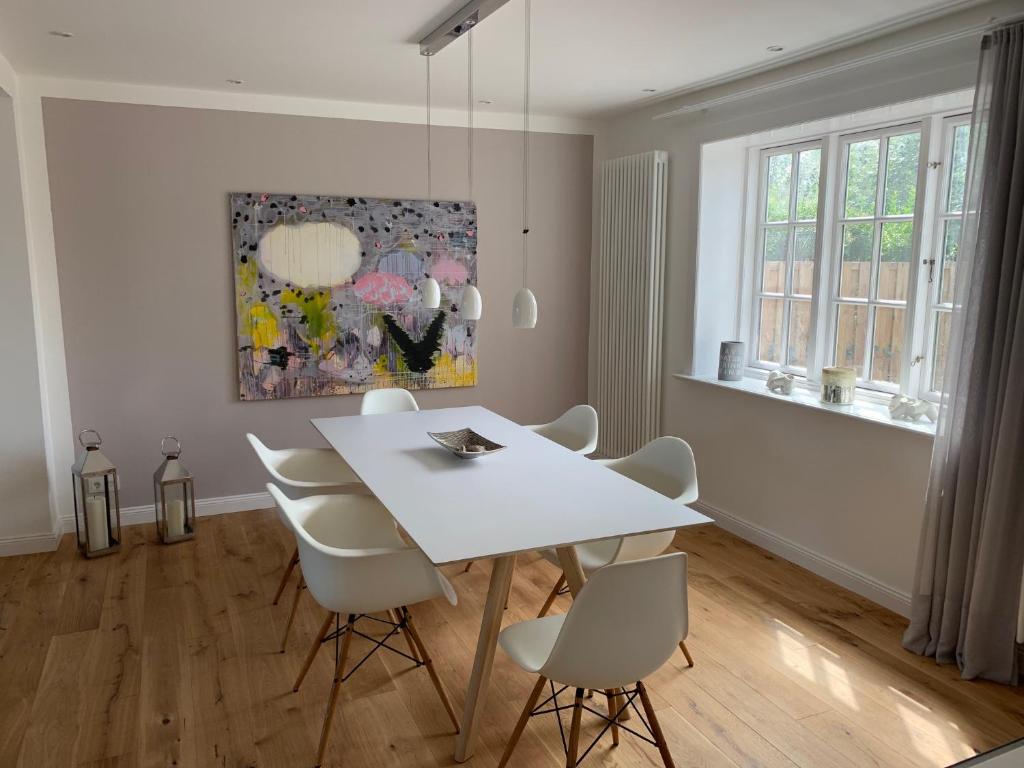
x: 524, y: 305
x: 471, y: 306
x: 430, y: 290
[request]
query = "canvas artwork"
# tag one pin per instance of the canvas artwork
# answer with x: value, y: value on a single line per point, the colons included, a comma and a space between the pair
x: 328, y: 300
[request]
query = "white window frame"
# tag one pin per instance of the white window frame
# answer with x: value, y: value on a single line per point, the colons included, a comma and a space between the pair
x: 877, y: 220
x: 834, y: 135
x: 791, y: 224
x: 933, y: 265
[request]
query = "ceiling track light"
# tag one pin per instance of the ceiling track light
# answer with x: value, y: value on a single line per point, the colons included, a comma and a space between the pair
x: 458, y: 24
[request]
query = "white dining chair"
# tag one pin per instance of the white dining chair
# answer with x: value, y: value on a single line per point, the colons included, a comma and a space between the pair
x: 576, y: 429
x: 305, y: 471
x: 356, y: 564
x: 638, y: 610
x: 665, y: 465
x: 393, y: 400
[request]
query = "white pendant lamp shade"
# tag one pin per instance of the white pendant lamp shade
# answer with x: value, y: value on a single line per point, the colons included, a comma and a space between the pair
x: 524, y: 309
x: 472, y: 304
x: 430, y: 290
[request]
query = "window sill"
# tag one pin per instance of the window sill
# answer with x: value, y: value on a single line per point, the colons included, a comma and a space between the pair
x: 863, y: 409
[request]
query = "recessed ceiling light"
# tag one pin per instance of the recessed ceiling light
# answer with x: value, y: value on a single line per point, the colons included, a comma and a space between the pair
x: 61, y: 33
x: 650, y: 90
x: 234, y: 81
x: 486, y: 101
x: 775, y: 48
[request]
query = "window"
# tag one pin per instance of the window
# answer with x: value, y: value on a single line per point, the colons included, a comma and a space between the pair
x: 786, y: 244
x: 941, y: 263
x: 872, y: 253
x: 854, y: 244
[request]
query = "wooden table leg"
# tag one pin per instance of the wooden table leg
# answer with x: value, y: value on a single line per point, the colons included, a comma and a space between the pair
x: 571, y: 568
x: 490, y: 625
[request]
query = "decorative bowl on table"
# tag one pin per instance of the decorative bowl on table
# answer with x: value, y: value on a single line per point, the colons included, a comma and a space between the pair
x: 465, y: 443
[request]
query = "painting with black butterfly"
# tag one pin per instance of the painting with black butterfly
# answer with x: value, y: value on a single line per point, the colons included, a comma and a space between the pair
x: 328, y: 299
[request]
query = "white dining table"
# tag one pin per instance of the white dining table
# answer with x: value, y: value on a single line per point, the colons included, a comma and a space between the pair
x: 532, y: 495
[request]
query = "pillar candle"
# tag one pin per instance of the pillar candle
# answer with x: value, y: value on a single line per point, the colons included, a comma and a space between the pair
x: 175, y: 518
x: 96, y: 522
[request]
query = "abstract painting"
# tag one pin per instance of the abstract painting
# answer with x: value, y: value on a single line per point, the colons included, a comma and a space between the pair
x: 328, y: 300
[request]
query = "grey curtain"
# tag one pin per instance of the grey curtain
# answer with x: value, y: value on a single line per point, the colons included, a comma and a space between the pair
x: 971, y: 558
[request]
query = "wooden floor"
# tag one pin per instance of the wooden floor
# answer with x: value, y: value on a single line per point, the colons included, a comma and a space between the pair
x: 164, y: 656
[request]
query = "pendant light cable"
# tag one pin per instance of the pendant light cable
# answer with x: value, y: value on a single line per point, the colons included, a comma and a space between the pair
x: 526, y: 143
x: 428, y: 127
x: 469, y: 111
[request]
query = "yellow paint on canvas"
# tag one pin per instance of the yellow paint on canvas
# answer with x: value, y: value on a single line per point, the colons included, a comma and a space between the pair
x: 453, y: 372
x: 262, y: 326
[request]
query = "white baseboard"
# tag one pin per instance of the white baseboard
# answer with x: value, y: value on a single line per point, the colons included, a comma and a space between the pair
x: 218, y: 505
x: 29, y: 545
x: 836, y: 572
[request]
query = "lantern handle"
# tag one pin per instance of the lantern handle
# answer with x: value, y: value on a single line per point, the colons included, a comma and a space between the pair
x: 173, y: 453
x: 90, y: 443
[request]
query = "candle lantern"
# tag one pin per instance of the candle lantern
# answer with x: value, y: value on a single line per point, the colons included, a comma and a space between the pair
x: 174, y: 496
x: 97, y: 504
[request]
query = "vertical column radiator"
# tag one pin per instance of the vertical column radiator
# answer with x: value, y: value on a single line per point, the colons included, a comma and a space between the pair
x: 627, y: 283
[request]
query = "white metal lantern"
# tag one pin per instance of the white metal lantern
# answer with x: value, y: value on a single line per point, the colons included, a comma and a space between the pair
x: 97, y: 504
x: 174, y: 496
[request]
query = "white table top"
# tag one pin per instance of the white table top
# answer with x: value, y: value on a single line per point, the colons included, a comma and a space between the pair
x: 532, y: 495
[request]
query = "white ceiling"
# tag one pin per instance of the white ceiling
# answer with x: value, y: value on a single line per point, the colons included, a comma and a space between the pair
x: 590, y: 56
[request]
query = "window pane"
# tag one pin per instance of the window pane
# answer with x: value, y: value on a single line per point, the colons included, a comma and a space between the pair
x: 894, y: 266
x: 941, y: 347
x: 803, y: 260
x: 950, y: 251
x: 856, y: 267
x: 958, y: 169
x: 780, y: 169
x: 776, y: 242
x: 887, y: 352
x: 901, y: 173
x: 861, y: 178
x: 808, y: 172
x: 799, y: 332
x: 851, y: 336
x: 769, y: 345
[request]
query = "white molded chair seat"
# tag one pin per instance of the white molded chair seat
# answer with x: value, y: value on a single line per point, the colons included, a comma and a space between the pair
x: 576, y: 429
x: 623, y: 625
x: 305, y: 467
x: 391, y: 400
x: 355, y: 563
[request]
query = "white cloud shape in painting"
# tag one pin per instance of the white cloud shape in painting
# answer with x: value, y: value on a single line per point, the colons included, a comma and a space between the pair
x: 311, y: 254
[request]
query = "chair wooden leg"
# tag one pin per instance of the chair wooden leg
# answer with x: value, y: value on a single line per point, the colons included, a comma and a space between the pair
x: 332, y: 702
x: 396, y: 617
x: 312, y: 651
x: 429, y: 664
x: 552, y: 597
x: 291, y: 616
x: 686, y: 653
x: 612, y: 698
x: 574, y: 730
x: 652, y: 719
x: 287, y: 574
x: 468, y: 566
x: 524, y: 718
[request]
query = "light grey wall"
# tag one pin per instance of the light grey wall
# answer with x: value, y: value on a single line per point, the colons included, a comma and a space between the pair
x: 838, y: 489
x: 24, y: 510
x: 140, y: 213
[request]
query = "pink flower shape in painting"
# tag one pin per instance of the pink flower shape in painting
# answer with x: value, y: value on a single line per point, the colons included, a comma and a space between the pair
x: 450, y: 272
x: 383, y: 289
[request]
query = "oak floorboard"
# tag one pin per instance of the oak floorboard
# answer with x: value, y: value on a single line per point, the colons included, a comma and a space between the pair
x: 170, y: 655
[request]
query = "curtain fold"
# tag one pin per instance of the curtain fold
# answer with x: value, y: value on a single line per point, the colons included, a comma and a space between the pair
x: 971, y: 559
